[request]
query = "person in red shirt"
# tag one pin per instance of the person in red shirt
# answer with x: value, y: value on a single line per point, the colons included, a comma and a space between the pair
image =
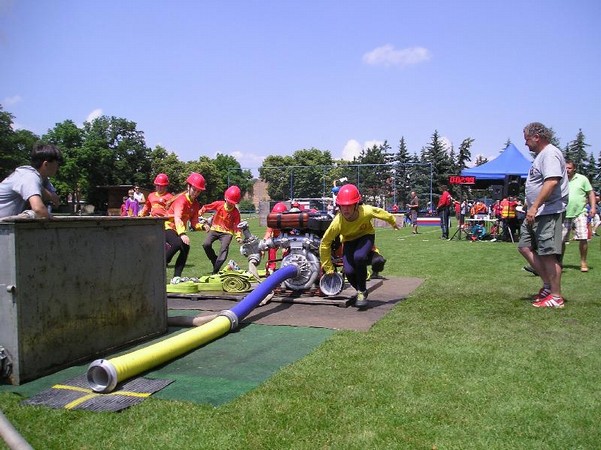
x: 224, y: 226
x: 156, y: 202
x: 444, y: 211
x: 182, y: 209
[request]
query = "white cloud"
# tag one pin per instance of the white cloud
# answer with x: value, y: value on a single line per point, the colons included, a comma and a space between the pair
x: 94, y: 115
x: 247, y: 160
x: 352, y: 148
x: 387, y: 55
x: 10, y: 101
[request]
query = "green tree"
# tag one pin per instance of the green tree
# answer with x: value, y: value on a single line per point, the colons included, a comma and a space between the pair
x: 72, y: 177
x: 589, y: 167
x: 310, y: 176
x: 480, y: 159
x: 276, y: 171
x: 465, y: 153
x: 15, y: 146
x: 576, y: 150
x: 442, y: 165
x: 215, y: 185
x: 231, y: 173
x: 375, y: 177
x: 463, y: 157
x: 116, y: 154
x: 403, y: 166
x: 161, y: 161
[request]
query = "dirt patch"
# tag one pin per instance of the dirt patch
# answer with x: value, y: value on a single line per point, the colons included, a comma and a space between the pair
x: 311, y: 311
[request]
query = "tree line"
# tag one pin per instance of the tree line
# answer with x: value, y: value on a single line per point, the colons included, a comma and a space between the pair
x: 109, y: 151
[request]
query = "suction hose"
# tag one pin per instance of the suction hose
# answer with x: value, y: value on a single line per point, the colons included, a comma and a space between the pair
x: 104, y: 375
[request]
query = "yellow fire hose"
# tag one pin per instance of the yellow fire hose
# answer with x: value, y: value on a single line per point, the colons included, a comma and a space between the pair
x: 103, y: 375
x: 234, y: 281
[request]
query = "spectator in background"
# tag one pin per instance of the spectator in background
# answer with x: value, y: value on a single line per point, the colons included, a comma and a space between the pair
x: 132, y: 208
x: 495, y: 209
x: 463, y: 212
x: 139, y: 196
x: 413, y: 207
x: 295, y: 207
x: 124, y: 207
x: 479, y: 209
x: 30, y: 185
x: 546, y: 199
x: 444, y: 211
x: 223, y: 227
x: 508, y: 216
x: 577, y: 214
x: 457, y: 208
x: 597, y: 218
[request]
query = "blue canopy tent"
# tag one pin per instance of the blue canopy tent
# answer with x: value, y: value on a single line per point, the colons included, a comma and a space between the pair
x: 510, y: 162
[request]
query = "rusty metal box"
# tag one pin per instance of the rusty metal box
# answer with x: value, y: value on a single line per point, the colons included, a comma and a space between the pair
x: 75, y: 288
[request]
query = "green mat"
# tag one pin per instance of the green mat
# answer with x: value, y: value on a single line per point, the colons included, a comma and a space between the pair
x: 219, y: 371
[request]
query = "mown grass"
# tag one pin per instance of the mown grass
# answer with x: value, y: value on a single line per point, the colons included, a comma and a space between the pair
x: 464, y: 363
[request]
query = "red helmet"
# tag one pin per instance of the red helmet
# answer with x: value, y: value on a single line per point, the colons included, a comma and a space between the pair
x: 161, y: 180
x: 197, y: 181
x: 232, y: 194
x: 348, y: 195
x: 279, y: 207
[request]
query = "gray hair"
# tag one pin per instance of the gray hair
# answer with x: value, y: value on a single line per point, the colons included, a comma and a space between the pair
x: 538, y: 129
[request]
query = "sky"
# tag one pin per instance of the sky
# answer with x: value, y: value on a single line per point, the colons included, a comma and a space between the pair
x: 257, y: 78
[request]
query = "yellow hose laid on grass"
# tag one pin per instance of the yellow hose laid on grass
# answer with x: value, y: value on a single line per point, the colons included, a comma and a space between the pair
x: 104, y: 374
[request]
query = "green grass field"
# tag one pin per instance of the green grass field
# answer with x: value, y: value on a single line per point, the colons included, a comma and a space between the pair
x: 465, y: 363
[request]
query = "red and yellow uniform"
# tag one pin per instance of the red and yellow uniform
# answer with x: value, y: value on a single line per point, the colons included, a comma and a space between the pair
x: 225, y: 219
x: 508, y: 208
x: 182, y: 210
x: 156, y: 205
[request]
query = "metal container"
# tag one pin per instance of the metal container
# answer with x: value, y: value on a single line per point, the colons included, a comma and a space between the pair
x: 74, y: 288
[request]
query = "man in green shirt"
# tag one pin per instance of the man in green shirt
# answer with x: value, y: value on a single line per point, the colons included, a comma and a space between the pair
x: 577, y: 214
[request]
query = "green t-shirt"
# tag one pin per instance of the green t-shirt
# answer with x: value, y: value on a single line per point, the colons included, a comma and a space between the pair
x: 580, y: 186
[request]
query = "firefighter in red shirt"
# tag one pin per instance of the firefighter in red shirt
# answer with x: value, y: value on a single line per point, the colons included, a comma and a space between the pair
x: 156, y: 202
x: 224, y: 226
x: 182, y: 209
